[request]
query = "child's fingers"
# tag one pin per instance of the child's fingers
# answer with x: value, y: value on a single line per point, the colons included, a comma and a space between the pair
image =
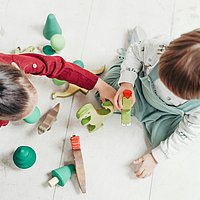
x: 139, y: 172
x: 148, y: 174
x: 133, y: 101
x: 120, y: 101
x: 116, y: 101
x: 138, y: 161
x: 143, y: 174
x: 15, y: 65
x: 103, y: 99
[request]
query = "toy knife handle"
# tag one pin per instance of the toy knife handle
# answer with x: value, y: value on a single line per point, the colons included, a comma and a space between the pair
x: 75, y: 142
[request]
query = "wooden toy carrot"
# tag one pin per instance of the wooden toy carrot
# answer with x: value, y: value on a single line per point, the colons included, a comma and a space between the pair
x: 78, y: 161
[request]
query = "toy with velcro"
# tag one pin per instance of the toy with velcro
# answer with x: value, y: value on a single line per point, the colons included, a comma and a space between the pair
x: 72, y: 89
x: 126, y: 108
x: 93, y: 118
x: 48, y: 119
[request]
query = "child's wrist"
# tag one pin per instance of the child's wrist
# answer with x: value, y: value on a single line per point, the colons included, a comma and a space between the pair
x: 127, y: 85
x: 153, y: 158
x: 99, y: 84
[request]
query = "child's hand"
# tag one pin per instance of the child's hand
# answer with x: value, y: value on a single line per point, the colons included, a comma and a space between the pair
x: 147, y: 164
x: 106, y: 91
x: 119, y: 95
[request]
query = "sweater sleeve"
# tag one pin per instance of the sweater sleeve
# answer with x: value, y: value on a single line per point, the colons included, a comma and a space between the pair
x: 187, y: 132
x: 55, y: 67
x: 3, y: 123
x: 131, y: 64
x: 142, y: 55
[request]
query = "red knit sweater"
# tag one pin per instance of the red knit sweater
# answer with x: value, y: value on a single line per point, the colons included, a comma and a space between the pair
x: 52, y: 67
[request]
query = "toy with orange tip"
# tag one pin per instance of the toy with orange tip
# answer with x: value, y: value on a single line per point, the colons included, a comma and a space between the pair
x: 78, y: 161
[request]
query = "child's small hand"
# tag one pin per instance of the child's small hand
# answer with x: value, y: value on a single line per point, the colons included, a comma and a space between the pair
x: 106, y: 91
x: 147, y: 164
x: 119, y: 95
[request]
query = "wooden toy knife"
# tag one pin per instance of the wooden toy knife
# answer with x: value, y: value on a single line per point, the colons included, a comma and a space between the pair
x: 78, y: 161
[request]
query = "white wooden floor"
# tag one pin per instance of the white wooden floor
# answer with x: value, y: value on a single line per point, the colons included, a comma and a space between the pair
x: 93, y: 30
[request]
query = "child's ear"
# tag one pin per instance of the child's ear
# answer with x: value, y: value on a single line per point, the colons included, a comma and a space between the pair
x: 15, y: 65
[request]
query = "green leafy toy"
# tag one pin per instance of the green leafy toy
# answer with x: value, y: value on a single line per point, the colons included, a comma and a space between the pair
x: 94, y: 118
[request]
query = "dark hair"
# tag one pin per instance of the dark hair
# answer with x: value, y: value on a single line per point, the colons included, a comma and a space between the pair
x: 14, y: 96
x: 179, y: 67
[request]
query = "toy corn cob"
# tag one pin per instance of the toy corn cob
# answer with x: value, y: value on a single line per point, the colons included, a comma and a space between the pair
x: 78, y: 161
x: 126, y: 108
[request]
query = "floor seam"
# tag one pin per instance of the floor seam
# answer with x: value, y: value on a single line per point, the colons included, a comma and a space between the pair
x: 173, y: 16
x: 86, y: 33
x: 150, y: 192
x: 63, y: 147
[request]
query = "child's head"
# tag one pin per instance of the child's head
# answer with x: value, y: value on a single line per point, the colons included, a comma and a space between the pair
x: 179, y: 67
x: 17, y: 95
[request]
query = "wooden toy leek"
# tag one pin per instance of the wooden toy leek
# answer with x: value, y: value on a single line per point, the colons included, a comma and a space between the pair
x: 126, y: 109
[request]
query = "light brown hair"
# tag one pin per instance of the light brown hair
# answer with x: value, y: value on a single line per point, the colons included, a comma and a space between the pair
x: 179, y: 67
x: 15, y: 92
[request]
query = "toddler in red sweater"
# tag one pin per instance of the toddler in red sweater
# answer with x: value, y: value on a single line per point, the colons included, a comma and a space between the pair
x: 18, y: 97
